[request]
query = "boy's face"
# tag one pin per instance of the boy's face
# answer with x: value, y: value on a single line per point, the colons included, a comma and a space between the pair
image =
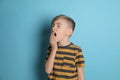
x: 60, y: 28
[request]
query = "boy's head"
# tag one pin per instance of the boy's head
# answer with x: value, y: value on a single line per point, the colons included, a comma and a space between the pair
x: 63, y: 26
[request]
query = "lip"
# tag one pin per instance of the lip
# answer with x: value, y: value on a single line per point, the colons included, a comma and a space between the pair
x: 54, y: 33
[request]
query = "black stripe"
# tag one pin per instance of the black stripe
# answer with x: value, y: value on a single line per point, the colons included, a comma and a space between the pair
x: 79, y: 56
x: 66, y: 53
x: 68, y: 64
x: 58, y: 58
x: 80, y: 62
x: 64, y: 76
x: 79, y: 50
x: 63, y: 70
x: 59, y: 64
x: 72, y: 48
x: 64, y: 64
x: 68, y: 58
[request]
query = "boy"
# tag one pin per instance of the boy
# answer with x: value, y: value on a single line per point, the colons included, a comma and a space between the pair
x: 64, y: 60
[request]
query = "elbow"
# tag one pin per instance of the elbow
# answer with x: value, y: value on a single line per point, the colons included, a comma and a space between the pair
x: 47, y: 69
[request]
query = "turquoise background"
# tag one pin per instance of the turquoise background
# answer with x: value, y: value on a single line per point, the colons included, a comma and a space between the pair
x: 25, y: 30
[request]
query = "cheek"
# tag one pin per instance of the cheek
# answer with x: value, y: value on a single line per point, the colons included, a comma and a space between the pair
x: 60, y: 35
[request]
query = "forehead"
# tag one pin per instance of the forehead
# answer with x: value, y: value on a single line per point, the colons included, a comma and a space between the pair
x: 61, y: 21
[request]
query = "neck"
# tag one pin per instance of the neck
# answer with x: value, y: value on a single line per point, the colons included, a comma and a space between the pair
x: 64, y: 42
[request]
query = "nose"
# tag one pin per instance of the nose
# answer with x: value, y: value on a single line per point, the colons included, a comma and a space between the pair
x: 54, y: 28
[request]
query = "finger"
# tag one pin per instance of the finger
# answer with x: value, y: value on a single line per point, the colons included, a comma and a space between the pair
x: 53, y: 33
x: 52, y: 36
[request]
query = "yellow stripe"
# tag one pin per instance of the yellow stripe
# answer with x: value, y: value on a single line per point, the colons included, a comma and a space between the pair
x: 69, y: 61
x: 58, y: 61
x: 79, y: 59
x: 80, y: 53
x: 57, y: 78
x: 73, y: 46
x: 51, y: 77
x: 59, y: 55
x: 65, y: 73
x: 65, y: 60
x: 62, y: 67
x: 67, y: 50
x: 80, y: 65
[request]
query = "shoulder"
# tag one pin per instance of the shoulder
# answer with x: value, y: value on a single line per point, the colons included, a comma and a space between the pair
x: 76, y: 47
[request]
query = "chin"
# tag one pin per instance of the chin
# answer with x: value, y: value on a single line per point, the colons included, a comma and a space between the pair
x: 58, y: 40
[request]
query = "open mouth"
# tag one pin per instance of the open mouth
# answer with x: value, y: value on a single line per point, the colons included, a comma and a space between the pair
x: 55, y: 34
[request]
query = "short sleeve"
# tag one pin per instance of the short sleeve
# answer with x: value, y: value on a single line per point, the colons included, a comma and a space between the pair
x: 79, y: 60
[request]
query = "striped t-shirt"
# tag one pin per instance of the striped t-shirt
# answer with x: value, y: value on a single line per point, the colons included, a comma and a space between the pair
x: 66, y: 61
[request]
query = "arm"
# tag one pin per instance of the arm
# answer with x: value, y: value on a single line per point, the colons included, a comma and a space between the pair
x: 50, y: 62
x: 80, y: 71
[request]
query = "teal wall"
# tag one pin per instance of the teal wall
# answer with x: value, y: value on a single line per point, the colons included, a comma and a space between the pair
x: 25, y: 30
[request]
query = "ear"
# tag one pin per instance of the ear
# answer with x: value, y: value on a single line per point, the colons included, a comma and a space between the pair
x: 69, y: 32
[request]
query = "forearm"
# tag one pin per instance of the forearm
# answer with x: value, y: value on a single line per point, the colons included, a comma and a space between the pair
x: 80, y: 73
x: 50, y: 62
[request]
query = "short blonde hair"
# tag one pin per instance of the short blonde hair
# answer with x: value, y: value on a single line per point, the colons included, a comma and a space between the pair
x: 64, y: 17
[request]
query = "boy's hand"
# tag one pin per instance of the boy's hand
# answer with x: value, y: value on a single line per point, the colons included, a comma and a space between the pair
x: 53, y: 40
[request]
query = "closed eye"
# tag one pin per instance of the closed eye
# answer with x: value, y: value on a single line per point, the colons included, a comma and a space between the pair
x: 58, y: 26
